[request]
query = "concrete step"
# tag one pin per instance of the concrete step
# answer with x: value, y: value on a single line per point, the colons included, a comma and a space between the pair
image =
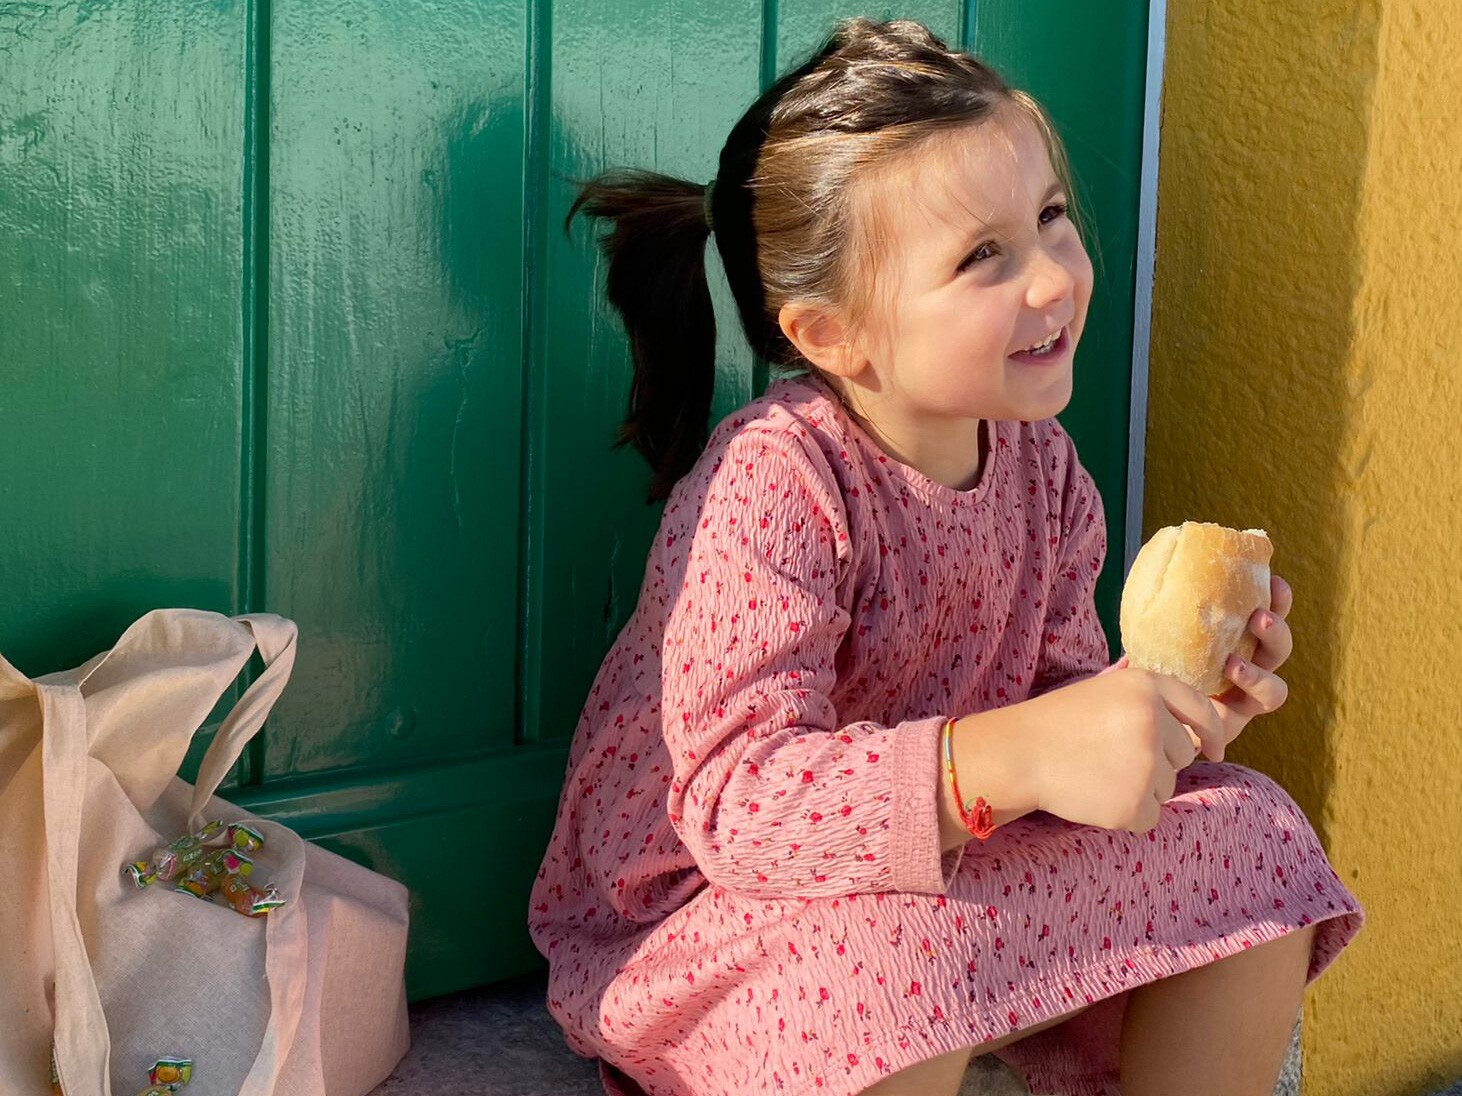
x: 499, y: 1040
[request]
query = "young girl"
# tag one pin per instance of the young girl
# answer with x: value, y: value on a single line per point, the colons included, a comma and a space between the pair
x: 855, y: 794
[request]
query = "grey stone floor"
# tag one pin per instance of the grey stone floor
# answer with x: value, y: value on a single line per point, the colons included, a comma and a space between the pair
x: 499, y: 1040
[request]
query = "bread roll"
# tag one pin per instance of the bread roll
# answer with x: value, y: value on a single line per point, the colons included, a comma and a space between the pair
x: 1187, y: 601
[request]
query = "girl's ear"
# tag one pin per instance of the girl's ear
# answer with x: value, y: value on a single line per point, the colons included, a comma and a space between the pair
x: 820, y: 337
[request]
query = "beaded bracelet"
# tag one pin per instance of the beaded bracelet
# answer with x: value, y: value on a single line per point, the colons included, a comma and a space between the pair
x: 975, y: 816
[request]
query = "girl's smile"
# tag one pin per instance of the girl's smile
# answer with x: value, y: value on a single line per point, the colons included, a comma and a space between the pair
x: 1052, y: 352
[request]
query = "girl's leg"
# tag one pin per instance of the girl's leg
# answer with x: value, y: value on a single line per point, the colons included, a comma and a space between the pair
x: 940, y: 1076
x: 1220, y: 1029
x: 943, y: 1076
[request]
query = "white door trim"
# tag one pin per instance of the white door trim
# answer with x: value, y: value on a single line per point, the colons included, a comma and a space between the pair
x: 1146, y: 263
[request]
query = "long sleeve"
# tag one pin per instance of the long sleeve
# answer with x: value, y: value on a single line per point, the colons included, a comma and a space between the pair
x: 772, y: 795
x: 1073, y: 644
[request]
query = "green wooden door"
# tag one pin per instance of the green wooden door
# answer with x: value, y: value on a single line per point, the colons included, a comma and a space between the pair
x: 287, y: 323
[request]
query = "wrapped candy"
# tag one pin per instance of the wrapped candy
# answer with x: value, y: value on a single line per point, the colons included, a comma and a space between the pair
x: 177, y: 858
x: 212, y: 861
x: 248, y: 899
x: 210, y: 873
x: 168, y: 1075
x: 243, y: 838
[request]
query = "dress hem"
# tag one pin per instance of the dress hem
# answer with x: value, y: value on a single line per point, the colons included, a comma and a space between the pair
x: 942, y: 1039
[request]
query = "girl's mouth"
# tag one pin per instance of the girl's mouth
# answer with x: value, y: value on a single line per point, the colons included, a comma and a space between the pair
x: 1054, y: 353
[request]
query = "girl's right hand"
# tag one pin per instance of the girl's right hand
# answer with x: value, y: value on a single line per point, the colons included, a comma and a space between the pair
x: 1109, y: 748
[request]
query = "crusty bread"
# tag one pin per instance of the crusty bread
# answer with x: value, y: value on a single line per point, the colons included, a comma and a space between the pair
x: 1187, y: 601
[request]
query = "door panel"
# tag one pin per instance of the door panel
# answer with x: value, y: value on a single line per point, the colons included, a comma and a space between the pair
x: 123, y: 309
x: 394, y: 428
x: 291, y: 324
x: 643, y: 84
x: 1087, y: 65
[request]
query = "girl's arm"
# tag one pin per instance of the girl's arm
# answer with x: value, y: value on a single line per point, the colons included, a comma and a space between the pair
x: 986, y: 749
x: 988, y: 761
x: 770, y: 793
x: 987, y: 746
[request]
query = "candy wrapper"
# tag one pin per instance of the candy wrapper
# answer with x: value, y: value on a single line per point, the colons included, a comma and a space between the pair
x: 247, y: 899
x: 173, y: 860
x: 167, y: 1075
x: 212, y: 861
x: 170, y: 859
x: 207, y: 876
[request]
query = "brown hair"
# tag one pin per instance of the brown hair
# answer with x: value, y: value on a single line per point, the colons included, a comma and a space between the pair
x: 785, y: 213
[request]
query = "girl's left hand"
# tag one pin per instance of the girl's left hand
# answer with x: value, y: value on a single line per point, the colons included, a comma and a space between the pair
x: 1257, y: 690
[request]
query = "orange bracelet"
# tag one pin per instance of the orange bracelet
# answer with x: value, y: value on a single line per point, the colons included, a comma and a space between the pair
x: 976, y: 817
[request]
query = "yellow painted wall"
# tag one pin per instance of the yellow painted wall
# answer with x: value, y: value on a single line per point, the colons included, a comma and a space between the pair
x: 1307, y: 379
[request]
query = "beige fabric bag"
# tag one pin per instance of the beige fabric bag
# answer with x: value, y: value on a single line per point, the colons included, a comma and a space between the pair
x: 309, y: 1000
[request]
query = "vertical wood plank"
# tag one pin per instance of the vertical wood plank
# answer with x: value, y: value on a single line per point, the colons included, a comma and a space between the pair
x: 1087, y: 66
x: 395, y: 337
x: 648, y: 83
x: 122, y: 312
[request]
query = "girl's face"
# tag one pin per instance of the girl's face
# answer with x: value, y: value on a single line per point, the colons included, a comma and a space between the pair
x: 977, y: 262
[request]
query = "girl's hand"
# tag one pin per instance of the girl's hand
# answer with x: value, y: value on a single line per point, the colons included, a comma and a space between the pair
x: 1257, y: 690
x: 1105, y: 751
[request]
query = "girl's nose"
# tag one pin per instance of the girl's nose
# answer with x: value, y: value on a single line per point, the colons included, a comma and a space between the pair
x: 1050, y: 282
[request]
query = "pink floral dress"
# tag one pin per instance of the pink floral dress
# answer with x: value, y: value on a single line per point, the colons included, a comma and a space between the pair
x: 744, y: 891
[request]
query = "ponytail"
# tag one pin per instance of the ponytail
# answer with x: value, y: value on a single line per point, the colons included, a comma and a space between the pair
x: 656, y: 251
x: 785, y: 224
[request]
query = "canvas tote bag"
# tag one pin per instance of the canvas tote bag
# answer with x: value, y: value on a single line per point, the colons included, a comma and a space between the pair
x: 307, y: 1001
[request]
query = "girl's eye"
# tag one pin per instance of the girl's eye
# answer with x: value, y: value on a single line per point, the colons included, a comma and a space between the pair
x: 985, y: 251
x: 1057, y: 209
x: 980, y: 254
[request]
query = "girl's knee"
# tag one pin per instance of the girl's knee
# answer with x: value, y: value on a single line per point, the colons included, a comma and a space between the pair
x: 1027, y: 1032
x: 1241, y: 781
x: 1301, y: 940
x: 939, y: 1076
x: 944, y: 1075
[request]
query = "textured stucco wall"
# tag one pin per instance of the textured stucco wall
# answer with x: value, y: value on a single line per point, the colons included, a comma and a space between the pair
x: 1306, y: 356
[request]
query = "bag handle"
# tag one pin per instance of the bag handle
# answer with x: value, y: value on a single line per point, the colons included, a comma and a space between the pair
x: 286, y: 949
x: 83, y: 1045
x: 286, y: 968
x: 276, y: 638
